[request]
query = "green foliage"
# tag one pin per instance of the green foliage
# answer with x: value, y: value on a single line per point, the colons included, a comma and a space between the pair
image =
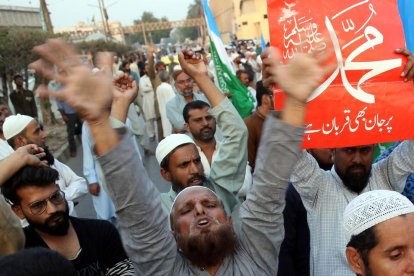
x: 16, y: 48
x: 195, y: 10
x: 102, y: 45
x: 154, y: 36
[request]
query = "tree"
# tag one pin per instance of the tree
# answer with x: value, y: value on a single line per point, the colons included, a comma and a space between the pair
x: 195, y: 10
x: 102, y: 45
x: 154, y: 36
x: 15, y: 56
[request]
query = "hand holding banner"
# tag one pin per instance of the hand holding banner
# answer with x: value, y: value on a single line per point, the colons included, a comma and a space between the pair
x: 365, y: 100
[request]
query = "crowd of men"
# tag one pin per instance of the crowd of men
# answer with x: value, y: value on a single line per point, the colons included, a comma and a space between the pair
x: 245, y: 199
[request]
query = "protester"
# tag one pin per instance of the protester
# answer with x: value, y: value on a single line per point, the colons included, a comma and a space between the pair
x: 73, y: 125
x: 153, y: 73
x: 165, y: 92
x: 103, y: 205
x: 295, y: 249
x: 5, y: 149
x: 22, y: 99
x: 21, y: 130
x: 36, y: 198
x: 201, y: 124
x: 183, y: 85
x: 180, y: 159
x: 198, y: 220
x: 11, y: 234
x: 254, y: 122
x: 147, y: 93
x: 379, y: 230
x: 325, y: 194
x: 243, y: 77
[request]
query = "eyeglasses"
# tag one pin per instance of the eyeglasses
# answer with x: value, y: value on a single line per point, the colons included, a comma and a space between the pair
x: 187, y: 81
x: 38, y: 207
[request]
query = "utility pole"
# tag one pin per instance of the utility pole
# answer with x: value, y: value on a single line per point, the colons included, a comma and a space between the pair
x: 105, y: 18
x: 46, y: 16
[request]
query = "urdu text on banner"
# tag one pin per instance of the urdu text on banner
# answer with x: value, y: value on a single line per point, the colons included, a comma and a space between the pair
x: 364, y: 100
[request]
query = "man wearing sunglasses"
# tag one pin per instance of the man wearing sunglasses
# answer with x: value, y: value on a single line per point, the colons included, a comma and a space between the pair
x: 93, y: 246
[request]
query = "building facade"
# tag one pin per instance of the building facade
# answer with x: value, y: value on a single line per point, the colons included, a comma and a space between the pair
x: 246, y: 19
x: 24, y: 17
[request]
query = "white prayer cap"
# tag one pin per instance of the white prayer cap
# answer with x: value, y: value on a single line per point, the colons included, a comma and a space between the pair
x: 169, y: 143
x: 372, y: 208
x: 234, y: 56
x: 15, y: 124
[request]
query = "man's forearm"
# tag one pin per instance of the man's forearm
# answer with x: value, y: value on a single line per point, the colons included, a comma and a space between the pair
x: 104, y: 136
x: 262, y: 212
x: 142, y: 222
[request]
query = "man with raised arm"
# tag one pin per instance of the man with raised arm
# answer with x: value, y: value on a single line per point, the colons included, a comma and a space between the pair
x: 199, y: 222
x: 180, y: 160
x: 325, y: 194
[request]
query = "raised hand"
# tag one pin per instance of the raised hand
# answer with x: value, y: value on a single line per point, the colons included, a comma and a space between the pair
x: 30, y: 155
x: 125, y: 92
x: 125, y: 87
x: 299, y: 77
x: 408, y: 72
x: 192, y: 63
x: 89, y: 94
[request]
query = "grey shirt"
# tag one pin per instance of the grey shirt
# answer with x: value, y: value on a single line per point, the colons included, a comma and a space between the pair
x: 143, y: 224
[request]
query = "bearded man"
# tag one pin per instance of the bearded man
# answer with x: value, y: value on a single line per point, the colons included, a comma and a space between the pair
x: 93, y: 246
x: 21, y: 130
x: 184, y: 85
x: 325, y: 195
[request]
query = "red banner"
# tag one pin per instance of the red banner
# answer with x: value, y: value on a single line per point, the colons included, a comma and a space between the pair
x: 364, y: 100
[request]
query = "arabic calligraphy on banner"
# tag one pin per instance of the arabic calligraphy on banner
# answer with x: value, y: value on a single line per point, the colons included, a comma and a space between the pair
x: 364, y: 100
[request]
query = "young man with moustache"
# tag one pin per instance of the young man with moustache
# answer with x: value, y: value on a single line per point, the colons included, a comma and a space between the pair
x: 379, y: 229
x: 93, y: 246
x: 21, y: 130
x: 201, y: 124
x: 201, y: 228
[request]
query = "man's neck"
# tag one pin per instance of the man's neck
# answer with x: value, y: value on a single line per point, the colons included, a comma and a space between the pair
x: 212, y: 270
x: 208, y: 148
x: 263, y: 110
x: 189, y: 99
x: 2, y: 136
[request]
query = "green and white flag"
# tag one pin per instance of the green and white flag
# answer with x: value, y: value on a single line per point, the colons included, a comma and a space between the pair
x: 226, y: 78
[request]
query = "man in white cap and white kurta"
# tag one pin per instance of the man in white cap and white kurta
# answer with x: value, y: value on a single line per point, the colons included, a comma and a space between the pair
x: 20, y: 130
x: 180, y: 160
x: 379, y: 229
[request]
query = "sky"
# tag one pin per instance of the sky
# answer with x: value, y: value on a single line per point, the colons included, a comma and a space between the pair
x: 66, y: 13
